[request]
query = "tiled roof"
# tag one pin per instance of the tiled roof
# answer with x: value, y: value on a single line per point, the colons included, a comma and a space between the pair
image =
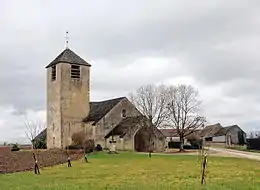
x: 99, y: 109
x: 68, y: 56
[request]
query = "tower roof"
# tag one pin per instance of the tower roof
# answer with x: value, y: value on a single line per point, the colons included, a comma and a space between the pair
x: 68, y: 56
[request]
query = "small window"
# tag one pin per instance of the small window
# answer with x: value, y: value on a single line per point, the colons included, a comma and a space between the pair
x: 75, y: 71
x: 53, y: 73
x: 123, y: 113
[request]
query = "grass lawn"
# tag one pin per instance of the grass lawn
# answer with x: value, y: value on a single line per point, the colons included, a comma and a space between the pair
x: 137, y: 171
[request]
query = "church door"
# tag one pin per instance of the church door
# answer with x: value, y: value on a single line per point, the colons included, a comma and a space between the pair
x: 141, y: 142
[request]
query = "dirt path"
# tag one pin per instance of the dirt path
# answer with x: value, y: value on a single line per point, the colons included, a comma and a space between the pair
x: 234, y: 153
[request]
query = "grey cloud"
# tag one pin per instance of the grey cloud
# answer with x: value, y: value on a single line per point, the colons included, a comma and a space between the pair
x: 243, y: 88
x: 22, y: 80
x: 120, y: 32
x: 212, y: 67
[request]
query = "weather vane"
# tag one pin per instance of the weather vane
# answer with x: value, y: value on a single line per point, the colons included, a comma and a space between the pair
x: 67, y: 39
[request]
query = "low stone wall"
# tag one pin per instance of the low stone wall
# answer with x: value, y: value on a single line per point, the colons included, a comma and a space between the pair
x: 23, y: 160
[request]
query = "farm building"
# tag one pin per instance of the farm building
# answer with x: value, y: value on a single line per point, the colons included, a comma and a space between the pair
x: 228, y: 136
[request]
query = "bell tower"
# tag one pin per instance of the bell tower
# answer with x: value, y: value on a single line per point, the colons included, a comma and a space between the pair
x: 68, y: 78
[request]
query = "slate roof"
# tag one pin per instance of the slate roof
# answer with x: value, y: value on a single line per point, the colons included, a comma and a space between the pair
x: 41, y: 136
x: 123, y: 127
x: 210, y: 130
x: 99, y: 109
x: 68, y: 56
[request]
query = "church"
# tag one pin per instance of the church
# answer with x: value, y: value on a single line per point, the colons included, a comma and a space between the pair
x: 69, y: 111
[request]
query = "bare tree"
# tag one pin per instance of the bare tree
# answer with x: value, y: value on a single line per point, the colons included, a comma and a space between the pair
x: 254, y: 134
x: 183, y: 109
x: 150, y: 100
x: 32, y: 129
x: 78, y: 138
x: 84, y: 139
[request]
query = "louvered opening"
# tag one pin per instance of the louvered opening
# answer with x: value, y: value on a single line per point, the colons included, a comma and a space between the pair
x: 75, y: 72
x: 53, y: 73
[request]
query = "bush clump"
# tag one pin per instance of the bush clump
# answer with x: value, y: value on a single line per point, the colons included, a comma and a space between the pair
x: 40, y: 144
x: 98, y: 148
x: 74, y: 147
x: 15, y: 147
x: 195, y: 143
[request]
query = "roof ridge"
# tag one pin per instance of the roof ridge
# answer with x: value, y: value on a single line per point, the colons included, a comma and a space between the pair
x: 122, y: 97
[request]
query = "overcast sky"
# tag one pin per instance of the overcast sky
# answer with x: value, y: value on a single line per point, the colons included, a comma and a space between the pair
x: 212, y: 45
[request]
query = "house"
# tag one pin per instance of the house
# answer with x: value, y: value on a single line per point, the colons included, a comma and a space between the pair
x: 228, y: 136
x: 69, y: 110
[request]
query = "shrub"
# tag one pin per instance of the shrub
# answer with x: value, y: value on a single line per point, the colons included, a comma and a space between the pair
x: 173, y: 144
x: 40, y: 144
x: 78, y: 138
x: 98, y: 148
x: 187, y: 147
x: 89, y: 145
x: 84, y: 140
x: 15, y: 147
x: 195, y: 143
x: 74, y: 147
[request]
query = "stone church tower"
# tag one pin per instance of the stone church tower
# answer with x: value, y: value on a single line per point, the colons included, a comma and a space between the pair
x: 68, y: 78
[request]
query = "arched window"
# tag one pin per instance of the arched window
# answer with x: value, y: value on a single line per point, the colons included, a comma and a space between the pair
x: 123, y: 113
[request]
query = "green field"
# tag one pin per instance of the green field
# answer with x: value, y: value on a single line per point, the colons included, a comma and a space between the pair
x: 137, y: 171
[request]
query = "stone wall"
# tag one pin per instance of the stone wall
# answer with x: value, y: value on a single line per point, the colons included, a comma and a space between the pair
x: 23, y: 161
x: 138, y: 135
x: 53, y: 109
